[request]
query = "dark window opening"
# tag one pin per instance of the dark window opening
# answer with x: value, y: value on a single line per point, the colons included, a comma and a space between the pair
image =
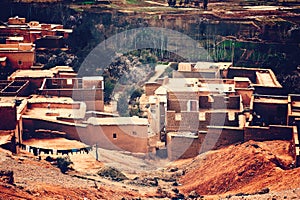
x: 20, y: 62
x: 114, y: 135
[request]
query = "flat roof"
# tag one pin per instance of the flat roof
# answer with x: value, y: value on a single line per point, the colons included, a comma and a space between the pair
x: 183, y: 134
x: 202, y: 85
x: 206, y: 66
x: 161, y: 91
x: 102, y: 113
x: 265, y: 79
x: 64, y: 30
x: 2, y: 59
x: 271, y: 100
x: 118, y: 121
x: 32, y: 74
x: 53, y: 99
x: 93, y: 78
x: 241, y: 79
x: 16, y: 38
x: 7, y: 104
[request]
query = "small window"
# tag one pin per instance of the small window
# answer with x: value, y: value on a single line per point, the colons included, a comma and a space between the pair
x: 114, y: 136
x: 192, y: 105
x: 134, y: 133
x: 20, y: 62
x: 54, y: 82
x: 69, y: 81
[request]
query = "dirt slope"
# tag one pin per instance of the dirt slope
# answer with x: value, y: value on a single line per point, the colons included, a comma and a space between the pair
x: 243, y: 168
x: 35, y: 179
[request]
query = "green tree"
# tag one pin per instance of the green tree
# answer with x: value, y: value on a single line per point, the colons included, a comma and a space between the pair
x: 109, y: 86
x: 122, y: 105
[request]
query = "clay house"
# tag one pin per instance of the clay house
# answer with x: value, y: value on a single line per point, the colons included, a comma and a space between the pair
x: 119, y: 133
x: 67, y: 117
x: 60, y: 114
x: 212, y: 106
x: 86, y: 89
x: 208, y: 108
x: 19, y: 56
x: 294, y: 110
x: 11, y: 126
x: 34, y: 30
x: 201, y: 70
x: 269, y: 121
x: 36, y: 77
x: 14, y: 39
x: 198, y: 107
x: 269, y: 110
x: 263, y: 81
x: 294, y: 120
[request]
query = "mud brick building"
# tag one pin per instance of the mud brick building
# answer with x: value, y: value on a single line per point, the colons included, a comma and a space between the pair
x: 229, y: 105
x: 86, y: 89
x: 18, y: 56
x: 44, y: 35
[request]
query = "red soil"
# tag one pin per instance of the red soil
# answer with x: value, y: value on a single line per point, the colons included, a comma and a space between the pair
x: 246, y: 168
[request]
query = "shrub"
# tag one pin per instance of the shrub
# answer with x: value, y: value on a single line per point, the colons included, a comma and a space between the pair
x: 63, y: 163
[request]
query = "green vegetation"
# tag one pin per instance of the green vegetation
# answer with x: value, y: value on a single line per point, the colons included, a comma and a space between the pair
x: 119, y: 70
x: 63, y: 163
x: 122, y: 105
x: 133, y: 1
x: 112, y: 173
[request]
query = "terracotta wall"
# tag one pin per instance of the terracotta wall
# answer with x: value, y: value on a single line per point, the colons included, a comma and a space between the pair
x: 128, y: 137
x: 8, y: 116
x: 93, y: 98
x: 246, y: 95
x: 178, y: 100
x: 218, y: 137
x: 271, y: 132
x: 271, y: 113
x: 150, y: 88
x: 19, y: 60
x: 179, y: 147
x: 241, y: 72
x: 190, y: 121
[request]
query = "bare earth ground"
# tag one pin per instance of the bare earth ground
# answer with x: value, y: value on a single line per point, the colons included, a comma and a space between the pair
x: 234, y: 172
x: 245, y: 168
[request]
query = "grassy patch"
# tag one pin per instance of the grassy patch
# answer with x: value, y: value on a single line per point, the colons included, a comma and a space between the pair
x: 132, y: 1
